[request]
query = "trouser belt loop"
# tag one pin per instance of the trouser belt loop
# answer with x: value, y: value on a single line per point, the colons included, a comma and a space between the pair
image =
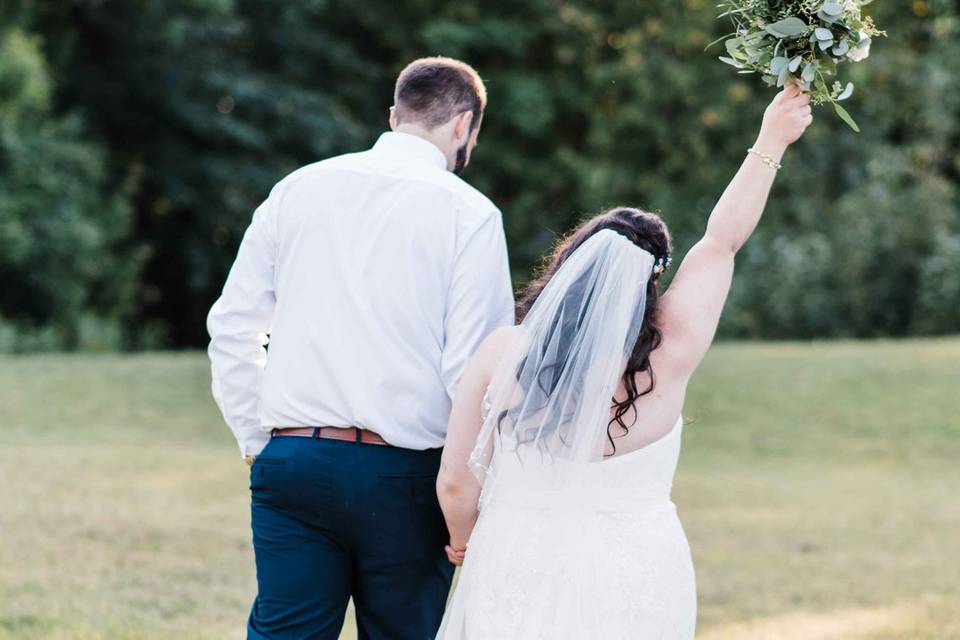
x: 359, y: 433
x: 316, y: 432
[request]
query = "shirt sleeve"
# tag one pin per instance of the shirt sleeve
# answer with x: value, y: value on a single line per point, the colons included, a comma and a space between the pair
x: 238, y: 324
x: 480, y: 298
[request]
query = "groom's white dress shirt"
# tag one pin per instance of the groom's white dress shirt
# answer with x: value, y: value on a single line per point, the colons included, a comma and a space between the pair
x: 376, y: 276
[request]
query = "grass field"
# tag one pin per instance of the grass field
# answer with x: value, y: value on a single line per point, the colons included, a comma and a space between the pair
x: 819, y: 487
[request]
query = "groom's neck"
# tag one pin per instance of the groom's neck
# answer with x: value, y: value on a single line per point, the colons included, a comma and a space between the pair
x: 435, y: 137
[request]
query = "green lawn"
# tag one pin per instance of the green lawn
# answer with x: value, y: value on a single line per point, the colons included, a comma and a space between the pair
x: 819, y: 488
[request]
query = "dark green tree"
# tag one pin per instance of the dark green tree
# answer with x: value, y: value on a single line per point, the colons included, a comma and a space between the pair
x: 206, y: 103
x: 61, y: 222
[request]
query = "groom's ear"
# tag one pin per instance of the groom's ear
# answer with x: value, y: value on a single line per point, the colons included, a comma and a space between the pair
x: 461, y: 126
x: 393, y: 118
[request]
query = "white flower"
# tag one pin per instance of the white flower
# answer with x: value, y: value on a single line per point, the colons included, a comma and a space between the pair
x: 862, y: 50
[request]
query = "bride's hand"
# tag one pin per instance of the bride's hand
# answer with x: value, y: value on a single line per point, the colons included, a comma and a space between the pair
x: 785, y: 120
x: 455, y: 556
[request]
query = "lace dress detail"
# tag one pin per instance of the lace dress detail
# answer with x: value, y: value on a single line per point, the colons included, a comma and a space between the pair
x: 608, y: 560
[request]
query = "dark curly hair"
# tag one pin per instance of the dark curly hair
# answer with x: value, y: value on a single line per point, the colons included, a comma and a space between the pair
x: 647, y: 231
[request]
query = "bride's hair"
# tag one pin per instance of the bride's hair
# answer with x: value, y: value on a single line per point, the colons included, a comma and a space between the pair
x: 647, y: 231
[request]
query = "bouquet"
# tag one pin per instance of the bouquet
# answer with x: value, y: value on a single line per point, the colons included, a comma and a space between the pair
x: 803, y: 41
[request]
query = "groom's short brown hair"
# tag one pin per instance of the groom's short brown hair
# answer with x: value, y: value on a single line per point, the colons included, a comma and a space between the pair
x: 431, y: 91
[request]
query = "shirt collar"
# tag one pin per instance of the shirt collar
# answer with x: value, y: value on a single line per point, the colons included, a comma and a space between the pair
x: 411, y: 146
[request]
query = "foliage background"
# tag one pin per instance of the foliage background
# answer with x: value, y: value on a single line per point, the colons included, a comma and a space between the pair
x: 136, y: 138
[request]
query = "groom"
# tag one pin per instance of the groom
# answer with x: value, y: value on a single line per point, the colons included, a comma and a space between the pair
x: 376, y: 275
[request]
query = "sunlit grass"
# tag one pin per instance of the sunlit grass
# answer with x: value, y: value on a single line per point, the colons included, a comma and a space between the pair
x: 818, y: 486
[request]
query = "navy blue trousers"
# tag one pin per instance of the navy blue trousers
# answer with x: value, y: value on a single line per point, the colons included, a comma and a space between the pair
x: 333, y: 520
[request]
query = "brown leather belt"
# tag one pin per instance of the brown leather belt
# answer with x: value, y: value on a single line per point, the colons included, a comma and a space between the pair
x: 348, y: 434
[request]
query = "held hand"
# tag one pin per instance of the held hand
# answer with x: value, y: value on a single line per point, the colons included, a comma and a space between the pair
x: 785, y: 120
x: 455, y: 556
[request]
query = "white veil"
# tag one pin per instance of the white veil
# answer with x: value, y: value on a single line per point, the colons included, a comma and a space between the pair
x: 550, y: 399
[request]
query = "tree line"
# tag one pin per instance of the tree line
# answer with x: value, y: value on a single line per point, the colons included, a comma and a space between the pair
x: 137, y: 138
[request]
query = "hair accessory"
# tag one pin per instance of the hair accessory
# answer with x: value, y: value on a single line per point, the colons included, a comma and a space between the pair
x: 661, y: 265
x: 767, y: 160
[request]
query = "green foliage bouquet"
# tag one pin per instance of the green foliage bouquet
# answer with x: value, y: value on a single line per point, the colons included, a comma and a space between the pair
x: 803, y: 41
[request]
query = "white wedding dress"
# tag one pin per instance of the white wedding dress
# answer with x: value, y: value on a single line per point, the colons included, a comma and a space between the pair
x: 570, y: 545
x: 609, y: 561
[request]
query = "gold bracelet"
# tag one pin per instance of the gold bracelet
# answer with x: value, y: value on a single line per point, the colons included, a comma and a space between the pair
x: 767, y: 160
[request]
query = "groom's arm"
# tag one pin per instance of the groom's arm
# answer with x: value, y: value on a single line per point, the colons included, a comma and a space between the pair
x: 479, y: 298
x: 238, y: 325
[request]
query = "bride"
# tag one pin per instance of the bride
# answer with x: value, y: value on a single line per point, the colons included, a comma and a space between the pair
x: 565, y: 433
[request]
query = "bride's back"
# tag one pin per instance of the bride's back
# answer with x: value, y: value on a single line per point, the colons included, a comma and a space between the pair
x: 653, y: 415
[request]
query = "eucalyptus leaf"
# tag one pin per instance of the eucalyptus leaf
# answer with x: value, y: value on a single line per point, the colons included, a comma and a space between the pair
x: 777, y: 64
x: 826, y: 17
x: 782, y: 77
x: 733, y: 45
x: 822, y: 34
x: 730, y: 61
x: 809, y: 72
x: 795, y: 64
x: 825, y: 44
x: 841, y: 48
x: 847, y: 92
x: 832, y: 8
x: 846, y: 117
x: 787, y: 28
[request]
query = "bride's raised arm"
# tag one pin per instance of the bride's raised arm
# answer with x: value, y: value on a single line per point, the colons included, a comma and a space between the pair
x: 691, y: 307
